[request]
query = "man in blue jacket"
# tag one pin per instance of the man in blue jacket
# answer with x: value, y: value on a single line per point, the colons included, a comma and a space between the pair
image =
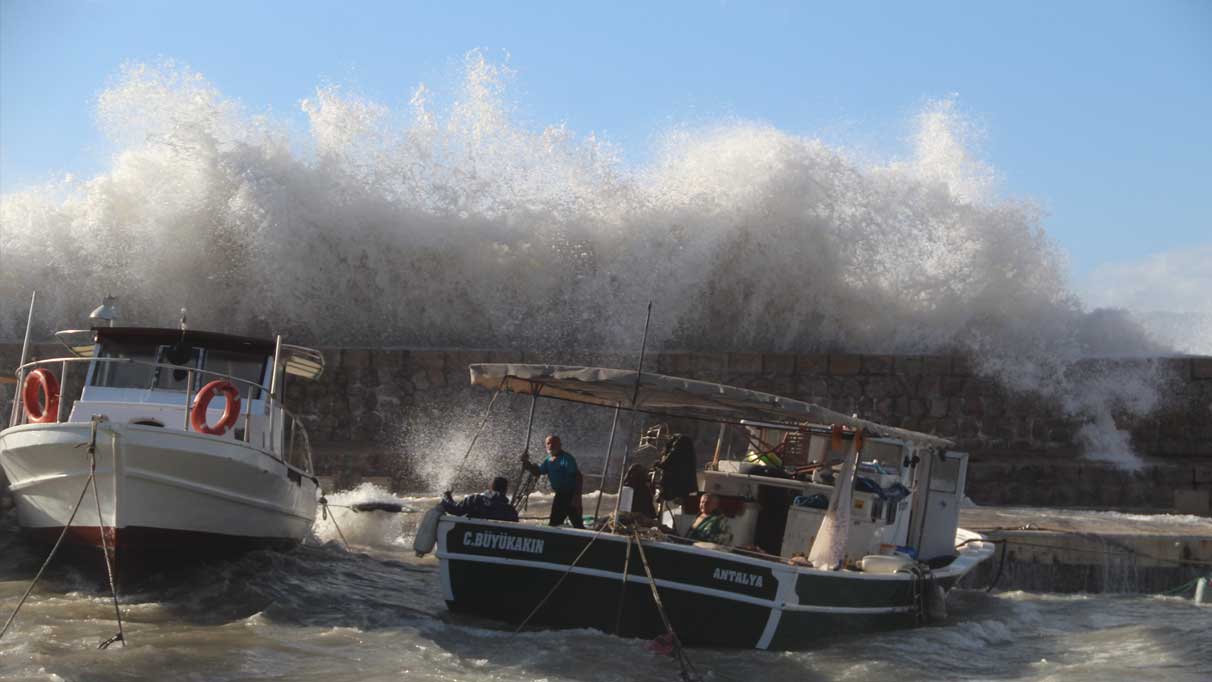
x: 561, y: 470
x: 489, y: 505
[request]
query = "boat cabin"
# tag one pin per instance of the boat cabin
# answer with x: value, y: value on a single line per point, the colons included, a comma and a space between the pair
x: 153, y: 377
x: 777, y: 494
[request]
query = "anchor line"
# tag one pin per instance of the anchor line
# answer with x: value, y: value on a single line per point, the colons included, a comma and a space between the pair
x: 689, y: 672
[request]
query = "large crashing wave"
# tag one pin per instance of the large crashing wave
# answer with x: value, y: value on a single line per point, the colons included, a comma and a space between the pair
x: 454, y: 225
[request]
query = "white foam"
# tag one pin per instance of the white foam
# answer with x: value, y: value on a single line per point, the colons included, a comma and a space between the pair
x: 451, y: 224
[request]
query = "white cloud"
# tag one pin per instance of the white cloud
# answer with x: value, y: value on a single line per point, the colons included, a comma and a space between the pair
x: 1178, y: 281
x: 1170, y: 293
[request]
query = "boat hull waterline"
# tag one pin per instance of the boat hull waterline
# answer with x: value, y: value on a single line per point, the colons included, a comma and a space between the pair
x: 166, y: 496
x: 713, y: 598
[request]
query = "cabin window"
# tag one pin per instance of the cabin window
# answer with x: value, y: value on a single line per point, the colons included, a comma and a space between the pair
x: 243, y: 366
x: 944, y: 475
x: 136, y: 374
x: 176, y: 377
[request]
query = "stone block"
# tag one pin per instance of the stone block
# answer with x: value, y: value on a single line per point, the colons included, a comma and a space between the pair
x: 938, y: 407
x: 953, y: 386
x: 355, y: 358
x: 428, y: 359
x: 936, y: 365
x: 961, y: 365
x: 1201, y: 368
x: 505, y: 356
x: 675, y: 364
x: 844, y: 364
x: 1193, y: 501
x: 883, y: 387
x: 907, y: 365
x: 782, y: 364
x: 745, y: 363
x: 388, y: 358
x: 877, y: 364
x: 813, y: 386
x: 436, y: 377
x: 813, y: 363
x: 708, y: 366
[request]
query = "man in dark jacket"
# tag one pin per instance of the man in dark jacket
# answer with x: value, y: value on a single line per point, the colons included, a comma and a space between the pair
x: 493, y: 504
x: 560, y: 468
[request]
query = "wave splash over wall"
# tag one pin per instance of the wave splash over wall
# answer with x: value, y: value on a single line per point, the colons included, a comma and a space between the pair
x: 452, y: 224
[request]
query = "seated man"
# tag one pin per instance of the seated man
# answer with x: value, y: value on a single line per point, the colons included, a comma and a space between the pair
x: 711, y: 524
x: 493, y: 504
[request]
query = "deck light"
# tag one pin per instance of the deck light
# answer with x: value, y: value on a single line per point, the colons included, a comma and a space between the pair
x: 106, y: 312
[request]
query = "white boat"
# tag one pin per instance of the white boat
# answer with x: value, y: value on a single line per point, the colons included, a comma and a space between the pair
x: 806, y: 559
x: 194, y: 454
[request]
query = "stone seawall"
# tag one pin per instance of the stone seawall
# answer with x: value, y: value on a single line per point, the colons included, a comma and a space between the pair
x: 1024, y: 448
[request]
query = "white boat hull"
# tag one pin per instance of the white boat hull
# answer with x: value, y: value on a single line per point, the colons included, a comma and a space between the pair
x: 160, y: 490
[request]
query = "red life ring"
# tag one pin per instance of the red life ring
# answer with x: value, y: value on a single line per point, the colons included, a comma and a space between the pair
x: 197, y: 414
x: 40, y: 381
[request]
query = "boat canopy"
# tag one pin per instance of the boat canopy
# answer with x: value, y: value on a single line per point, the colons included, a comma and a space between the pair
x: 673, y: 396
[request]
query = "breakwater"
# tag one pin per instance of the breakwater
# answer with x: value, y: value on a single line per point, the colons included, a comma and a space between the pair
x: 1024, y: 447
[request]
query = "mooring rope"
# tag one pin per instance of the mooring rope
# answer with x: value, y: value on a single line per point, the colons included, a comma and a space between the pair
x: 474, y: 438
x: 119, y: 636
x: 689, y: 673
x: 618, y: 619
x: 46, y: 563
x: 558, y: 582
x: 333, y: 517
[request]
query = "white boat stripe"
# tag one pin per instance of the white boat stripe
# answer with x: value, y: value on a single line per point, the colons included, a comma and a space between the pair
x: 732, y: 596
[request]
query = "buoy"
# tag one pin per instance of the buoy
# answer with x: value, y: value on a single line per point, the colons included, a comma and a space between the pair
x: 427, y: 531
x: 877, y: 563
x: 1202, y: 595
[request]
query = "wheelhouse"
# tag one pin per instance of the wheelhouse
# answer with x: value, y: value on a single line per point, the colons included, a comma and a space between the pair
x: 154, y: 377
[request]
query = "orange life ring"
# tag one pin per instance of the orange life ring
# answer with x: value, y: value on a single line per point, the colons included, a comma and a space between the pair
x: 40, y: 381
x: 197, y: 414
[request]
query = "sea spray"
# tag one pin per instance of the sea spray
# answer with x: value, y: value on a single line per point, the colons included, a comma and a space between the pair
x: 452, y: 225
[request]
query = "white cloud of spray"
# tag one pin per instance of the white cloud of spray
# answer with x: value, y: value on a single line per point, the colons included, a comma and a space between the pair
x: 450, y: 224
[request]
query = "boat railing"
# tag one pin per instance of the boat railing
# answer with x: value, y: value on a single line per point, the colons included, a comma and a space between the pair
x: 298, y: 456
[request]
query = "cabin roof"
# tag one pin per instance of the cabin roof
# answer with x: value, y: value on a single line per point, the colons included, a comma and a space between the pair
x: 193, y: 337
x: 297, y: 360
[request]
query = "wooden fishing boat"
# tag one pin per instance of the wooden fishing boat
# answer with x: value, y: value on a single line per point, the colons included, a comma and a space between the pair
x: 881, y: 551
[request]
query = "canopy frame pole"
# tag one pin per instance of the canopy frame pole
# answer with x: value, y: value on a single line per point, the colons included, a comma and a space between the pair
x: 635, y: 396
x: 719, y: 445
x: 606, y: 467
x: 518, y: 494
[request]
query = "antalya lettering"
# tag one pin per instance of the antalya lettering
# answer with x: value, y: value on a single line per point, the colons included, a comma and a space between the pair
x: 505, y: 541
x: 730, y: 576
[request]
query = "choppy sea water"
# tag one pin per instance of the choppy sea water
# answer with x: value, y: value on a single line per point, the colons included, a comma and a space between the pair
x: 375, y: 612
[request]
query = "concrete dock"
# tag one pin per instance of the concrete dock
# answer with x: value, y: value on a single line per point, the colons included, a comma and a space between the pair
x: 1072, y: 550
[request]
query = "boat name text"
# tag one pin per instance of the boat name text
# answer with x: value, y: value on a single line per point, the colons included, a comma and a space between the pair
x: 512, y: 543
x: 738, y: 577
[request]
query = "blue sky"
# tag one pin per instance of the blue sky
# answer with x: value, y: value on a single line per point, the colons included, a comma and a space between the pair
x: 1098, y: 111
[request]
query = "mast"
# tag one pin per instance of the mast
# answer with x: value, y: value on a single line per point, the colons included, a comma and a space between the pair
x: 29, y: 323
x: 635, y: 396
